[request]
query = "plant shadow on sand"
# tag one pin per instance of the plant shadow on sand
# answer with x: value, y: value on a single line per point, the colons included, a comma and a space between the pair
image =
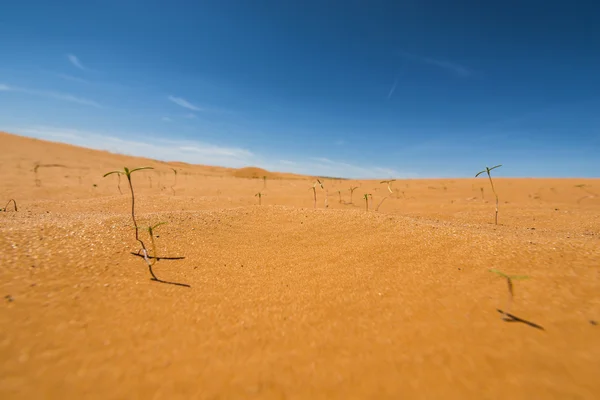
x: 513, y: 318
x: 163, y: 258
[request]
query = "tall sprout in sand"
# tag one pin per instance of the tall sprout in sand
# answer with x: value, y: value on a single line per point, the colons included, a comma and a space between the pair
x: 352, y: 189
x: 389, y: 185
x: 488, y: 170
x: 509, y: 281
x: 314, y: 189
x: 366, y: 197
x: 389, y: 188
x: 340, y: 194
x: 259, y: 195
x: 174, y: 182
x: 127, y: 172
x: 144, y: 250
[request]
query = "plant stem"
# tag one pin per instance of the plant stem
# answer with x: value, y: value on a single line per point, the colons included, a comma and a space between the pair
x: 380, y: 203
x: 494, y: 190
x: 133, y: 213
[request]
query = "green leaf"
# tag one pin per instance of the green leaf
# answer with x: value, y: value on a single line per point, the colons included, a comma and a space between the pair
x: 139, y: 169
x: 498, y: 273
x: 112, y: 172
x: 497, y: 166
x: 480, y: 172
x: 157, y: 225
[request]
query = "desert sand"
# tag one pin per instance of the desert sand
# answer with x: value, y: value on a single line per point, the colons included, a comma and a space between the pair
x: 285, y: 300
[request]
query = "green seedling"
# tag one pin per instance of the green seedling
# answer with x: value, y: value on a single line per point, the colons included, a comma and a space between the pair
x: 264, y: 182
x: 259, y: 195
x: 340, y: 195
x: 127, y: 172
x: 7, y: 204
x: 481, y: 188
x: 389, y: 188
x: 488, y: 170
x: 175, y: 182
x: 509, y: 281
x: 366, y: 197
x: 314, y: 189
x: 352, y: 189
x: 389, y: 185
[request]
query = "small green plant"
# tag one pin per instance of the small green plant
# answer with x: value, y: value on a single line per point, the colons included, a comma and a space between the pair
x: 314, y: 189
x: 352, y: 189
x: 7, y: 204
x: 389, y: 185
x: 259, y: 195
x: 366, y: 197
x: 488, y: 170
x: 509, y: 281
x: 144, y: 250
x: 175, y: 182
x: 340, y: 195
x: 264, y: 182
x: 389, y: 188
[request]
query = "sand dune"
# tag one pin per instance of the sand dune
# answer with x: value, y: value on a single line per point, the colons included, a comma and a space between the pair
x: 288, y: 301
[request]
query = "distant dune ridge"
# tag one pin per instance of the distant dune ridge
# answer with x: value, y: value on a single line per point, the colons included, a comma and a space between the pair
x: 289, y: 301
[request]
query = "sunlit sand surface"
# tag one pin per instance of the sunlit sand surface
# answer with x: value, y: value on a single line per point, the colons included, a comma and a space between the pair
x: 289, y: 301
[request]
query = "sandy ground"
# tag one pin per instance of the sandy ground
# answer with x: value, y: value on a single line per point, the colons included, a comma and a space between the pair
x: 288, y: 301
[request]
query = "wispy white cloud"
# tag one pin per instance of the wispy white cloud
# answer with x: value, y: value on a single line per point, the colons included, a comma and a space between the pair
x: 452, y: 67
x: 52, y: 95
x: 144, y: 145
x: 185, y: 104
x: 327, y: 167
x: 152, y: 146
x: 75, y: 61
x: 72, y: 78
x: 190, y: 116
x: 393, y: 89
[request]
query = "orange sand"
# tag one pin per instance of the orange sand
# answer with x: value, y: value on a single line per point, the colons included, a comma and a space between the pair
x: 287, y: 301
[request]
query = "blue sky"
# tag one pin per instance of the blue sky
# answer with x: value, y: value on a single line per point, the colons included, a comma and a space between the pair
x: 341, y: 88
